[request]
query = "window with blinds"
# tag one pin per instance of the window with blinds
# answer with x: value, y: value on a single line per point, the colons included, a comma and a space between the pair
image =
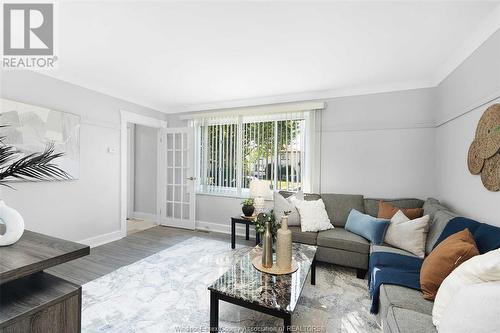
x: 218, y: 155
x: 235, y: 150
x: 274, y: 150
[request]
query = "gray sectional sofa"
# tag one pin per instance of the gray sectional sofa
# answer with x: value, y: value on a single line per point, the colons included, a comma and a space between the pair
x: 401, y: 309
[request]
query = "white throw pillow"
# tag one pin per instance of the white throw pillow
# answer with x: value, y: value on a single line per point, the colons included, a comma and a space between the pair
x: 474, y: 309
x: 282, y: 205
x: 408, y: 235
x: 313, y: 215
x: 478, y: 269
x: 299, y: 195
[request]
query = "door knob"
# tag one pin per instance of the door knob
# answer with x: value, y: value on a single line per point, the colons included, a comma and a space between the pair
x: 191, y: 178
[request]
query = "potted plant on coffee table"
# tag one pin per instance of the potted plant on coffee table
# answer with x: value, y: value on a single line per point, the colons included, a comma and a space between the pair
x: 260, y: 223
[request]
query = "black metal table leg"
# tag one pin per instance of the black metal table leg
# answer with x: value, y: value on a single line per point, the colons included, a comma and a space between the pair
x: 233, y: 234
x: 214, y: 312
x: 257, y: 238
x: 215, y: 297
x: 287, y: 323
x: 313, y: 271
x: 247, y: 236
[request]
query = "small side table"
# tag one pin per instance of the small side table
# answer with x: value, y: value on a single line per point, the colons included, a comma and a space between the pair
x: 247, y: 223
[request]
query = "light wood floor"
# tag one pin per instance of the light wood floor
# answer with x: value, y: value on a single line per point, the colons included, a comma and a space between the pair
x: 108, y: 257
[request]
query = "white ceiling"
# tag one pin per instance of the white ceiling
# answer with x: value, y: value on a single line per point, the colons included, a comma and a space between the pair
x: 175, y: 56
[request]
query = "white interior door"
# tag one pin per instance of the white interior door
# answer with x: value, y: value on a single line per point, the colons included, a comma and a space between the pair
x: 178, y: 206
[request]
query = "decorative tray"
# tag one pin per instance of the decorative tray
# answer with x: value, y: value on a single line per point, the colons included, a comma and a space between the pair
x: 251, y: 218
x: 275, y: 270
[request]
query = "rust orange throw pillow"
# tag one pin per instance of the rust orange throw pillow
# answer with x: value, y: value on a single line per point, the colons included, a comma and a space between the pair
x: 387, y: 211
x: 448, y: 255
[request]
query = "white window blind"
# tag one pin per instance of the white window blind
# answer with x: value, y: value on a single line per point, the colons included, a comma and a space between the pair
x: 233, y: 150
x: 218, y: 153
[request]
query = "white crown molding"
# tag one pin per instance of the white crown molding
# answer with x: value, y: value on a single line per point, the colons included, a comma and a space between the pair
x: 53, y: 75
x: 259, y: 110
x: 487, y: 100
x: 304, y: 96
x: 485, y: 30
x: 364, y: 127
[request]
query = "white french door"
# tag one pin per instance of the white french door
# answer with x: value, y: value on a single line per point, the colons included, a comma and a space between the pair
x: 178, y: 195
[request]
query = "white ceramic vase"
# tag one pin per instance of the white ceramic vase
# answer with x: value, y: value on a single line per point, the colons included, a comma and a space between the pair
x: 14, y: 224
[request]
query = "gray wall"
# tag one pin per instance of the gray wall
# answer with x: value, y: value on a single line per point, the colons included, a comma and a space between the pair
x: 145, y: 169
x: 84, y: 208
x: 379, y: 145
x: 462, y: 99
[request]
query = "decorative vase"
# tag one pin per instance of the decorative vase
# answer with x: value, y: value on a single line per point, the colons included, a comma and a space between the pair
x: 284, y: 245
x: 267, y: 247
x: 248, y: 210
x: 14, y: 224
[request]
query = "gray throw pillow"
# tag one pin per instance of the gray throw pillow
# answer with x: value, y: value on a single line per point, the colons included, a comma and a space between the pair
x: 431, y: 207
x: 282, y: 205
x: 338, y: 206
x: 441, y: 219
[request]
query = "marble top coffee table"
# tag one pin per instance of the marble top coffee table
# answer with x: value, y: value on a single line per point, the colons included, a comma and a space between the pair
x: 276, y: 295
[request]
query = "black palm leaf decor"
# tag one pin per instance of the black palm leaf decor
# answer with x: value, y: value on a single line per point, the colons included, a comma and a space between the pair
x: 32, y: 167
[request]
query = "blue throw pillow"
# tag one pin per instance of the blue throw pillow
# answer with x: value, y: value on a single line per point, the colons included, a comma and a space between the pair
x: 487, y: 238
x: 367, y: 226
x: 455, y: 225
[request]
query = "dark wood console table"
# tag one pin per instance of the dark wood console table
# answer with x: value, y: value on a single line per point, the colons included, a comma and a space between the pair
x: 32, y: 300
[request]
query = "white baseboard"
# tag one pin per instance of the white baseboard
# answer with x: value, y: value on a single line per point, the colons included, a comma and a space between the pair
x: 102, y: 239
x: 145, y: 216
x: 223, y: 228
x: 200, y: 225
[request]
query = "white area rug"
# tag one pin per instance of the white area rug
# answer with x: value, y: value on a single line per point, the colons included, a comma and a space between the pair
x: 167, y: 292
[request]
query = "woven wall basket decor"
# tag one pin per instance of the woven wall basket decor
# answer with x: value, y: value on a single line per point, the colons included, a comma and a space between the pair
x: 484, y: 151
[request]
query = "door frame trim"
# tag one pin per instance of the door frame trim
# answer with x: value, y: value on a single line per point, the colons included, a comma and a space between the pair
x: 138, y: 119
x: 130, y: 170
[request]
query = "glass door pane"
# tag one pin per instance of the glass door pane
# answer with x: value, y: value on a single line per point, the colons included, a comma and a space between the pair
x: 179, y: 187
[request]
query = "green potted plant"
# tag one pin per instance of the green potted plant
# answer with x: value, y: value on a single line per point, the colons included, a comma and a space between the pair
x: 248, y: 207
x: 260, y: 223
